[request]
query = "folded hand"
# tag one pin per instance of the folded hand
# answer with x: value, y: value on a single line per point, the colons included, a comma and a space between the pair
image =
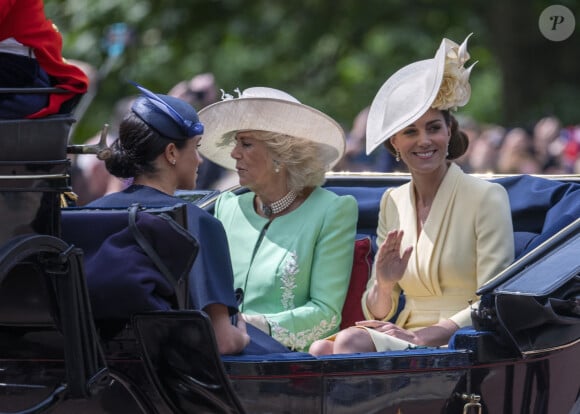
x: 391, y: 329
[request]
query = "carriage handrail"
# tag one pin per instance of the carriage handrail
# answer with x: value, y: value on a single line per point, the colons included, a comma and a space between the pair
x: 100, y: 149
x: 33, y: 90
x: 33, y: 176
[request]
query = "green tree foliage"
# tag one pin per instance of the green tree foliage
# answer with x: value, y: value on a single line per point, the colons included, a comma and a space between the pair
x: 330, y: 54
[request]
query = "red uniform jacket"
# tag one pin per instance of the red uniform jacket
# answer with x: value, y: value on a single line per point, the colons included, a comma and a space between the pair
x: 25, y: 21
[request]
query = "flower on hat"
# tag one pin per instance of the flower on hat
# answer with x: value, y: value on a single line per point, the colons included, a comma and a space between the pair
x: 455, y: 89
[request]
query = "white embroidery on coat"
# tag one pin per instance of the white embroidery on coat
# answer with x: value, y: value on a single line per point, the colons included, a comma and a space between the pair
x: 288, y: 281
x: 300, y: 341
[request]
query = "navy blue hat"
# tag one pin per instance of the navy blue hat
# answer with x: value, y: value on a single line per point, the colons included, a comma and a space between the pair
x: 169, y: 116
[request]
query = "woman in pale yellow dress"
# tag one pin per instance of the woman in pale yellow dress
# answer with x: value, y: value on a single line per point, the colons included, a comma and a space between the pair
x: 443, y: 234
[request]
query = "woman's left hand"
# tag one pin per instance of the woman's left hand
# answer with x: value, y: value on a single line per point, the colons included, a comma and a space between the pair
x: 259, y: 321
x: 390, y: 263
x: 391, y: 329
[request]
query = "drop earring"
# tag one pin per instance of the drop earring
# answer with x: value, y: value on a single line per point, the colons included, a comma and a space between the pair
x: 276, y: 166
x: 397, y: 155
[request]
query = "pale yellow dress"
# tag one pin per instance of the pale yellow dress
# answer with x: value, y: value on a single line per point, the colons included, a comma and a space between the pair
x: 466, y: 240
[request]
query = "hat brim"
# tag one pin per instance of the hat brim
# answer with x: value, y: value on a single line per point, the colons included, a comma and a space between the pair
x: 223, y: 119
x: 404, y: 98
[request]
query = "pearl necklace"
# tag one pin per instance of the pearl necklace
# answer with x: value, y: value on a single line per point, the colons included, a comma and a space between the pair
x: 280, y: 205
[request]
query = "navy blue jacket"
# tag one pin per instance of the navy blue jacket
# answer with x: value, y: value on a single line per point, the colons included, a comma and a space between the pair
x: 211, y: 277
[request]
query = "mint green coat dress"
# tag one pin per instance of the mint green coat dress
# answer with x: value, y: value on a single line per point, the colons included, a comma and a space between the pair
x: 295, y: 270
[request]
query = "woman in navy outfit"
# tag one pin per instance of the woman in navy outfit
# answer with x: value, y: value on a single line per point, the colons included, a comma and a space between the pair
x: 157, y: 148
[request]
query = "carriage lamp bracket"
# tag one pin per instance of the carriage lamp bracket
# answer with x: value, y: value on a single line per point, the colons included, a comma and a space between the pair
x: 472, y: 403
x: 100, y: 149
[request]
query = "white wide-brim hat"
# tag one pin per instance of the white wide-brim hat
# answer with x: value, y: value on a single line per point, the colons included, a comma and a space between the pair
x: 267, y: 109
x: 415, y: 88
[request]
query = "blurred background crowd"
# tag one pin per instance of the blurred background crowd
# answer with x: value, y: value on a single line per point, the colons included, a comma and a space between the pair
x: 545, y: 147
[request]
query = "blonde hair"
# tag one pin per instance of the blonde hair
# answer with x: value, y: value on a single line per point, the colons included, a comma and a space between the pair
x: 301, y: 157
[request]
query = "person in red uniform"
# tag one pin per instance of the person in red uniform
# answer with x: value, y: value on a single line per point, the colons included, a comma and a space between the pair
x: 31, y: 56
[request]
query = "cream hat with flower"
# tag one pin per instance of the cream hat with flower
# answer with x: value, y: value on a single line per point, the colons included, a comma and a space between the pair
x: 266, y: 109
x: 440, y: 83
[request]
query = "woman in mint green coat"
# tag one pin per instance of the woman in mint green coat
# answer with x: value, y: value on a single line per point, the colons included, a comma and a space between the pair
x: 291, y: 241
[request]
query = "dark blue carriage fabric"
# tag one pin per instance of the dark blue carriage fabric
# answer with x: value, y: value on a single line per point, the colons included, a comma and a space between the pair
x: 540, y: 208
x: 211, y: 278
x: 123, y: 280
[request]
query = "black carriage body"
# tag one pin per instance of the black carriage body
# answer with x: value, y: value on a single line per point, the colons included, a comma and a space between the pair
x: 34, y: 173
x: 438, y: 382
x: 52, y: 358
x: 48, y: 350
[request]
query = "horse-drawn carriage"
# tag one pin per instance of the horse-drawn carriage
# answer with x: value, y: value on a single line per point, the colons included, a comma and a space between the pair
x: 521, y: 355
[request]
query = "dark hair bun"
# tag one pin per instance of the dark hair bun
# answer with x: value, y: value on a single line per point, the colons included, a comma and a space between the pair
x: 458, y: 142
